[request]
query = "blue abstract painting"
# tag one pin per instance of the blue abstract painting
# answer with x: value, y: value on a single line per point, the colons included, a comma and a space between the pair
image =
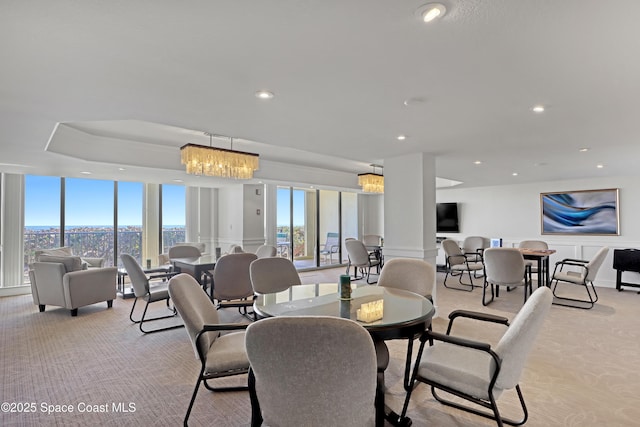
x: 580, y: 212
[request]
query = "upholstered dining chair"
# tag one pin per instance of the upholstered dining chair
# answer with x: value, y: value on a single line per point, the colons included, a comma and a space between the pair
x: 504, y: 267
x: 221, y: 355
x: 232, y: 282
x: 184, y: 251
x: 476, y: 371
x: 266, y: 251
x: 581, y: 273
x: 414, y: 275
x: 331, y: 383
x: 360, y: 259
x: 142, y: 290
x: 474, y: 246
x: 270, y: 275
x: 533, y: 244
x: 457, y: 264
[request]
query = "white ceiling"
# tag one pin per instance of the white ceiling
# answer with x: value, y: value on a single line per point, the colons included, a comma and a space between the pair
x: 156, y: 74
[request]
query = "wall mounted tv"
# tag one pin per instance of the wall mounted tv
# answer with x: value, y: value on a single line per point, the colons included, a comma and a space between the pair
x: 447, y: 218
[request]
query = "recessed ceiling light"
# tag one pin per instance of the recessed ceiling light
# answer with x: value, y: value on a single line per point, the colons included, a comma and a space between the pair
x: 264, y: 94
x: 584, y: 150
x: 538, y: 109
x: 85, y: 173
x: 121, y: 169
x: 432, y: 11
x: 477, y: 162
x: 177, y: 180
x: 515, y: 174
x: 600, y: 166
x: 402, y: 137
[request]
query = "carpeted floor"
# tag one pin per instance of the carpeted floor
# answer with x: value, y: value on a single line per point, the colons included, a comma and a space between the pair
x: 583, y: 370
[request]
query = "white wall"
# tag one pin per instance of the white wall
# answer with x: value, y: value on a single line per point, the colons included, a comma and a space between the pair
x: 230, y: 216
x: 512, y: 212
x: 371, y: 216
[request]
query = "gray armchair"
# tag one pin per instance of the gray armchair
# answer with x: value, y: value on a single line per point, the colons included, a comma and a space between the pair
x: 219, y: 346
x: 66, y: 251
x: 476, y: 371
x: 60, y: 281
x: 579, y: 272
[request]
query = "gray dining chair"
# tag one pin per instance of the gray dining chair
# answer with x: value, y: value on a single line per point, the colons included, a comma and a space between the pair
x: 220, y: 355
x: 504, y: 267
x: 143, y: 290
x: 266, y: 251
x: 360, y: 258
x: 476, y: 371
x: 331, y: 383
x: 578, y: 272
x: 232, y: 282
x: 184, y: 251
x: 270, y: 275
x: 536, y: 245
x: 457, y: 264
x: 414, y: 275
x: 474, y: 246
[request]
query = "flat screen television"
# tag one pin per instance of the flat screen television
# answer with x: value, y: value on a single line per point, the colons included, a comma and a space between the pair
x: 447, y: 218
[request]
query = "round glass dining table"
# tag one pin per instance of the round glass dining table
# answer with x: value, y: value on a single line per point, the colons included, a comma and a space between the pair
x: 405, y: 316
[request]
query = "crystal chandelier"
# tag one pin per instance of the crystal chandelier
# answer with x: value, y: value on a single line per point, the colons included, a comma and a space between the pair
x: 371, y: 182
x: 213, y: 161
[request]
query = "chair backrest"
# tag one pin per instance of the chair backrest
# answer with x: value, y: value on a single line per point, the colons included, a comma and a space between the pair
x: 453, y: 252
x: 184, y: 251
x: 504, y: 266
x: 235, y: 249
x: 266, y: 251
x: 515, y: 345
x: 139, y: 280
x: 231, y: 278
x: 472, y: 244
x: 594, y: 265
x: 196, y: 310
x: 275, y: 274
x: 332, y: 240
x: 372, y: 240
x: 411, y: 274
x: 331, y: 383
x: 200, y: 245
x: 358, y: 254
x: 533, y: 244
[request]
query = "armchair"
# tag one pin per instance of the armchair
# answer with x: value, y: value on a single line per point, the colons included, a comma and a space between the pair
x: 66, y: 251
x: 581, y: 273
x: 476, y: 371
x: 458, y: 263
x: 60, y: 281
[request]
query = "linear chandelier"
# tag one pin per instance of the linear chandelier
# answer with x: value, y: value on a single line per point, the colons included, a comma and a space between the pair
x: 214, y: 161
x: 372, y: 182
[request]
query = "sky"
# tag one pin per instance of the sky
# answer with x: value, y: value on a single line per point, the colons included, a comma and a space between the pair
x: 283, y: 207
x: 90, y: 202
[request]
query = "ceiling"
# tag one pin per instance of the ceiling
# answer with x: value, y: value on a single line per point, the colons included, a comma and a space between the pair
x: 348, y: 78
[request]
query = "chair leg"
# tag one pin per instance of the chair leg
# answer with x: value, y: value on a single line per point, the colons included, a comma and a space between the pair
x: 468, y: 286
x: 484, y: 292
x: 193, y: 398
x: 589, y: 303
x: 142, y: 319
x: 41, y: 307
x: 256, y: 413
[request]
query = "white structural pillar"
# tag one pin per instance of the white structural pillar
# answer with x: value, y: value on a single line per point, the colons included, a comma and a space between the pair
x: 410, y: 208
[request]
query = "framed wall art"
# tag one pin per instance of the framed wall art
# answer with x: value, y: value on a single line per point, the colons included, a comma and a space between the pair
x: 594, y: 212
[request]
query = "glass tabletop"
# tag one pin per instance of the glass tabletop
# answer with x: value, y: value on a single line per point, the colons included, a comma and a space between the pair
x: 401, y: 308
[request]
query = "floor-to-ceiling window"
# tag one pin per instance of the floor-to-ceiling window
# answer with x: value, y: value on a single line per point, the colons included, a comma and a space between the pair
x: 311, y: 225
x: 41, y: 215
x: 329, y: 227
x: 89, y: 218
x: 174, y: 217
x: 130, y: 211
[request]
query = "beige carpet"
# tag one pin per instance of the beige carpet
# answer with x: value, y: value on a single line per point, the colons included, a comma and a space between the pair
x: 583, y: 370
